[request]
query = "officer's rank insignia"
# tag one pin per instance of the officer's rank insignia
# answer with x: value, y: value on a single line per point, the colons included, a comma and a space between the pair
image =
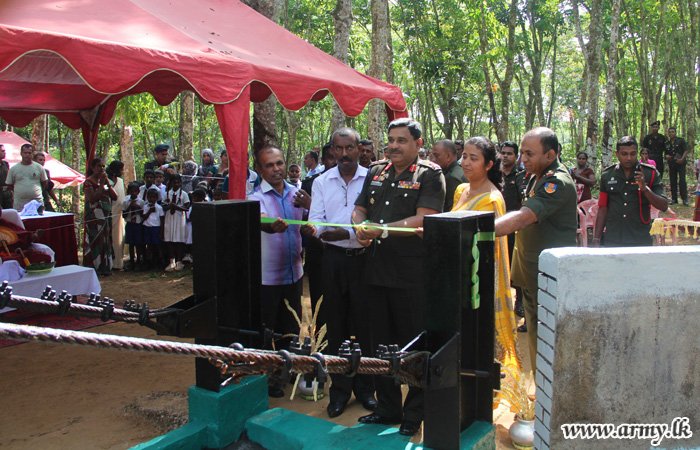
x: 371, y: 201
x: 409, y: 184
x: 549, y: 172
x: 413, y: 168
x: 376, y: 177
x: 550, y: 187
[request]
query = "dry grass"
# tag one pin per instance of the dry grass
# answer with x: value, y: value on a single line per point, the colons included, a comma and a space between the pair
x: 318, y: 335
x: 514, y: 394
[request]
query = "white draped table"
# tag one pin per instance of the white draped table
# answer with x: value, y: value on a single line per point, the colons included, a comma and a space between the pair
x: 73, y: 279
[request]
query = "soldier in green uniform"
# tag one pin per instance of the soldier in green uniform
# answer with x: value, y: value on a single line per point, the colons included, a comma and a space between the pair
x: 627, y: 189
x: 397, y: 193
x: 547, y: 219
x: 444, y: 154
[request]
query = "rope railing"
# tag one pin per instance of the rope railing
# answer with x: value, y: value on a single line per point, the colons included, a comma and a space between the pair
x: 96, y: 307
x: 231, y: 361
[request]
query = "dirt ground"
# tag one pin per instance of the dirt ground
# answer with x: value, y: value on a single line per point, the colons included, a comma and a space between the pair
x: 59, y: 397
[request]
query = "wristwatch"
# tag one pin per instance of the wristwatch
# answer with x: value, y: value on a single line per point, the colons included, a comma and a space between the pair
x: 385, y: 233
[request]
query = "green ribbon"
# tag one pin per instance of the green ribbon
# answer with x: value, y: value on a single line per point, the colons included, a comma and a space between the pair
x: 341, y: 225
x: 481, y: 236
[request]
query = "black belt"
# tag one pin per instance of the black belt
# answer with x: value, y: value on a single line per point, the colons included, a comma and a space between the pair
x: 346, y: 251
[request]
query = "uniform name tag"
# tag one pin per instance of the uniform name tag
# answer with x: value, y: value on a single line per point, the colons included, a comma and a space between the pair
x: 613, y: 181
x: 376, y: 183
x: 409, y: 184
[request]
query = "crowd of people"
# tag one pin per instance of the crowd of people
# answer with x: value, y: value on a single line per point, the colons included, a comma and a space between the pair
x: 370, y: 274
x: 152, y: 216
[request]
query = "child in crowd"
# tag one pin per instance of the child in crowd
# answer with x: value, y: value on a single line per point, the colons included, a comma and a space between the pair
x: 177, y: 203
x: 197, y: 196
x: 204, y: 186
x: 160, y: 183
x: 219, y: 192
x: 152, y: 226
x: 149, y: 178
x: 294, y: 173
x: 133, y: 235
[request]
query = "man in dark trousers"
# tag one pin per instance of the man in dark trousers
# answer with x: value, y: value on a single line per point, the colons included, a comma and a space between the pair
x: 344, y: 307
x: 513, y: 179
x: 547, y: 219
x: 656, y: 143
x: 627, y: 190
x: 397, y: 192
x: 676, y: 153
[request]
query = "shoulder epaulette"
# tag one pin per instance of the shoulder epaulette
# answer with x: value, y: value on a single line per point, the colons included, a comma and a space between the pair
x: 381, y: 161
x: 430, y: 164
x: 611, y: 166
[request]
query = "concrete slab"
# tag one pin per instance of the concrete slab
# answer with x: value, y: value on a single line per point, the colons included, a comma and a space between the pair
x: 284, y: 429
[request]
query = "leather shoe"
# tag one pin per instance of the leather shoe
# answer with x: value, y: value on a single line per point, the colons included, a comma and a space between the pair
x: 369, y: 403
x: 335, y: 409
x: 375, y: 418
x: 519, y: 308
x: 409, y: 428
x: 522, y: 328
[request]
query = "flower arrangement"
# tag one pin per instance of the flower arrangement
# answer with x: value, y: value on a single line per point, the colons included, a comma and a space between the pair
x: 514, y: 394
x: 318, y: 335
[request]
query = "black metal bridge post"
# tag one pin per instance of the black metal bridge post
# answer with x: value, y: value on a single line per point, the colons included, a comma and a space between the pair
x: 227, y: 273
x: 462, y: 374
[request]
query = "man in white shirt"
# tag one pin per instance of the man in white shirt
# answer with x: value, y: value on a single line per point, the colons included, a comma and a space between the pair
x: 343, y: 309
x: 311, y: 164
x: 27, y: 180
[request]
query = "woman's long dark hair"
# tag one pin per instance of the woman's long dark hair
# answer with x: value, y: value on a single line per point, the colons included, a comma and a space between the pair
x: 114, y: 167
x: 488, y: 149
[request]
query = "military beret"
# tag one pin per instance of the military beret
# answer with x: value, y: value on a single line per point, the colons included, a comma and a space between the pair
x: 655, y: 123
x: 161, y: 148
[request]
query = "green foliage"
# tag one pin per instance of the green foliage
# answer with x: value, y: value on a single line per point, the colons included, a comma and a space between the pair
x: 439, y: 65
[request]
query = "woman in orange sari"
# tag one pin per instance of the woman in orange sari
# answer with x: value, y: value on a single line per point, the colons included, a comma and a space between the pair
x: 482, y: 168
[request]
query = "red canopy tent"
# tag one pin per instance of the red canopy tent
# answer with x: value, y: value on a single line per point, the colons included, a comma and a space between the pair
x: 61, y: 174
x: 76, y: 58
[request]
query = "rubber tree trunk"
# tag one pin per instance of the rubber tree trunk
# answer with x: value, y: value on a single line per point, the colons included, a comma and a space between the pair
x: 126, y: 145
x: 264, y: 114
x: 39, y: 133
x: 342, y: 17
x: 381, y: 67
x: 608, y: 121
x: 593, y: 61
x: 187, y: 125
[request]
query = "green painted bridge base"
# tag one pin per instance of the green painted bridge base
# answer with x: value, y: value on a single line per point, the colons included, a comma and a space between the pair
x: 218, y: 419
x: 283, y: 429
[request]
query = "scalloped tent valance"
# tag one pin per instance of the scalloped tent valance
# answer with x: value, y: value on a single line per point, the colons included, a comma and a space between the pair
x: 76, y: 59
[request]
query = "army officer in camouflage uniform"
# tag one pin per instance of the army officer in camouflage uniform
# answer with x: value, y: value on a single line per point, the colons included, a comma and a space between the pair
x: 547, y: 219
x: 397, y: 192
x: 627, y: 189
